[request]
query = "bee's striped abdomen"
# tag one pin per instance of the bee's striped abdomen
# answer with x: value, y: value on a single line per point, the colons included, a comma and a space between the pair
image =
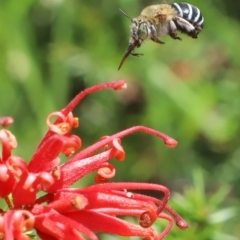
x: 189, y: 13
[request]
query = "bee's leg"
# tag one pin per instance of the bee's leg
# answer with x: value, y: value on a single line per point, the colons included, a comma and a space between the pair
x: 157, y: 40
x: 173, y: 30
x: 193, y: 34
x: 154, y: 37
x: 136, y: 54
x: 174, y: 36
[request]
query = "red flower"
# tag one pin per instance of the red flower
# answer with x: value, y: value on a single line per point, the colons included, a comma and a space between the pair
x: 72, y: 213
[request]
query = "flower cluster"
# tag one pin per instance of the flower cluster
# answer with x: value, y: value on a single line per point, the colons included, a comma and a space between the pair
x: 63, y: 212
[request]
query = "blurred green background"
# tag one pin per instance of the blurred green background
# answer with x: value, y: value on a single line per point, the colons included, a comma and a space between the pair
x: 190, y: 89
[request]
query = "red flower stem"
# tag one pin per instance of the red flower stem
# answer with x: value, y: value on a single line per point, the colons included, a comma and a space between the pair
x: 44, y: 199
x: 170, y: 142
x: 168, y: 228
x: 132, y: 186
x: 114, y: 85
x: 9, y: 203
x: 180, y: 222
x: 47, y: 152
x: 75, y: 171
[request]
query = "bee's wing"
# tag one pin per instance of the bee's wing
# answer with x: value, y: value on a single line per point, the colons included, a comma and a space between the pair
x: 184, y: 25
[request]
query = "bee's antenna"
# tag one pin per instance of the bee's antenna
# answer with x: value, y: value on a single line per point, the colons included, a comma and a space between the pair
x: 125, y: 14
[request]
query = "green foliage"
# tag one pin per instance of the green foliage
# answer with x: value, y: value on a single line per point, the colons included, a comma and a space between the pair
x: 52, y: 49
x: 207, y: 215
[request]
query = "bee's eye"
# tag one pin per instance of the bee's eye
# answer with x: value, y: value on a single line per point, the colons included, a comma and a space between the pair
x: 142, y: 31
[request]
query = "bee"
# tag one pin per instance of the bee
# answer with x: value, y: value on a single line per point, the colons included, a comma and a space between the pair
x: 163, y: 19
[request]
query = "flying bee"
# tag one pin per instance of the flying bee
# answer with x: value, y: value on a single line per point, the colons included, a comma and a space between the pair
x: 163, y: 19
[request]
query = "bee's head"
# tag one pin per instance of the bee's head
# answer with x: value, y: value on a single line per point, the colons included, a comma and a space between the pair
x: 140, y: 32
